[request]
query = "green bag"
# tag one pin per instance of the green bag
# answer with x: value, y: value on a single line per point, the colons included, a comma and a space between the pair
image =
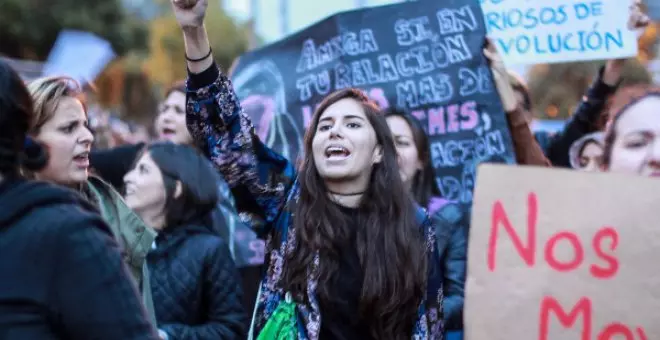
x: 282, y: 324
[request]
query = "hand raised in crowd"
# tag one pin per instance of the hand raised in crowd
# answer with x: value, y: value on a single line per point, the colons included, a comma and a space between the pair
x: 190, y: 13
x: 500, y: 77
x: 190, y: 16
x: 638, y: 21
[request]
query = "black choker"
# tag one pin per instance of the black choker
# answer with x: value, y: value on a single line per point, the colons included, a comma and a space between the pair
x: 349, y: 194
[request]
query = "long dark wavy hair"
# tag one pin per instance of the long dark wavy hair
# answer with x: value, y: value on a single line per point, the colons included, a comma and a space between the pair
x: 424, y: 185
x: 390, y: 244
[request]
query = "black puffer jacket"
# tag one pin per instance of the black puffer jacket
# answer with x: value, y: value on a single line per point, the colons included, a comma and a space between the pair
x: 195, y: 285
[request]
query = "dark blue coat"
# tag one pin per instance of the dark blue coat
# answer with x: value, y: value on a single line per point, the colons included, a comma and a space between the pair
x: 63, y: 276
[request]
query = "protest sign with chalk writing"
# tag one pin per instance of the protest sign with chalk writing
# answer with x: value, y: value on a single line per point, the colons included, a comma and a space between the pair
x: 569, y: 261
x: 550, y: 31
x: 424, y: 57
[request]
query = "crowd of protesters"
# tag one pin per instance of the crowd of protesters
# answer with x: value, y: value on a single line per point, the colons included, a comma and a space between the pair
x: 138, y: 241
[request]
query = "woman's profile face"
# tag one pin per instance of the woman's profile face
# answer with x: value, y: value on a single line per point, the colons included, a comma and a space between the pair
x: 590, y: 156
x: 344, y: 144
x: 69, y: 142
x: 170, y: 123
x: 145, y: 189
x: 636, y: 147
x: 408, y: 155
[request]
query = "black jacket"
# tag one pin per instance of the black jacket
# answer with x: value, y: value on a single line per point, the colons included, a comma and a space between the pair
x: 451, y: 236
x: 195, y: 285
x: 63, y: 275
x: 583, y: 122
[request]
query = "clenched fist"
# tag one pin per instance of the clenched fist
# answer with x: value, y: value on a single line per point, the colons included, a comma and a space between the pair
x: 190, y: 13
x: 185, y: 4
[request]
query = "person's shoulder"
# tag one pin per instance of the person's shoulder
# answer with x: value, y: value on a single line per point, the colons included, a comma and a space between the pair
x: 210, y: 246
x: 422, y: 217
x: 208, y: 243
x: 103, y: 188
x: 43, y: 205
x: 66, y: 218
x: 61, y: 227
x: 451, y: 212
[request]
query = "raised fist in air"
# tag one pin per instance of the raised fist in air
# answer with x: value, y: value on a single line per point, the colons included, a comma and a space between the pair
x: 190, y: 13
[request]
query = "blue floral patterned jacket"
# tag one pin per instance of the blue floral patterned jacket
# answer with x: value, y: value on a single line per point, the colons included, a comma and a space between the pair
x: 258, y: 175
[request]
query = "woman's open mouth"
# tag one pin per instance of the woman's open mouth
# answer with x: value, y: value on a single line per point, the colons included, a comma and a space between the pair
x: 82, y: 159
x: 337, y: 152
x: 167, y: 132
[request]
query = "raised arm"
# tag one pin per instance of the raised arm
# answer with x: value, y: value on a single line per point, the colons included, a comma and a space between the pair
x: 259, y: 177
x: 587, y: 115
x: 527, y: 149
x: 586, y: 118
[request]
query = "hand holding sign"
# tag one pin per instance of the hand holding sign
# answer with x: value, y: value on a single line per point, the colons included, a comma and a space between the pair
x: 500, y: 77
x: 638, y: 20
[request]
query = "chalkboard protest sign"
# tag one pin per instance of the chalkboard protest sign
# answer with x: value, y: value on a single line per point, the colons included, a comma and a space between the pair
x: 569, y: 261
x: 423, y: 57
x: 551, y: 31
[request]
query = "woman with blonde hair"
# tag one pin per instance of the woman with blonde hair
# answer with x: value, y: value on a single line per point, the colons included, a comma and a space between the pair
x: 60, y: 123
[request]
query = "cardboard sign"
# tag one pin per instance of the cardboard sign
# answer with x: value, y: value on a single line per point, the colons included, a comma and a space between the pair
x: 551, y: 31
x: 560, y: 254
x: 425, y: 57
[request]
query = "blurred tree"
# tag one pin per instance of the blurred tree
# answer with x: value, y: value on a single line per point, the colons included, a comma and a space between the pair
x: 126, y: 89
x: 166, y: 61
x: 30, y: 27
x: 556, y: 89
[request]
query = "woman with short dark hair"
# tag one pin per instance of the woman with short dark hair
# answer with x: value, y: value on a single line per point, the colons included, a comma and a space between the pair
x: 194, y: 282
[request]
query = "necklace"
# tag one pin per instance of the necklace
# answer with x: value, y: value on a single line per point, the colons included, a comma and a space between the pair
x: 349, y: 194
